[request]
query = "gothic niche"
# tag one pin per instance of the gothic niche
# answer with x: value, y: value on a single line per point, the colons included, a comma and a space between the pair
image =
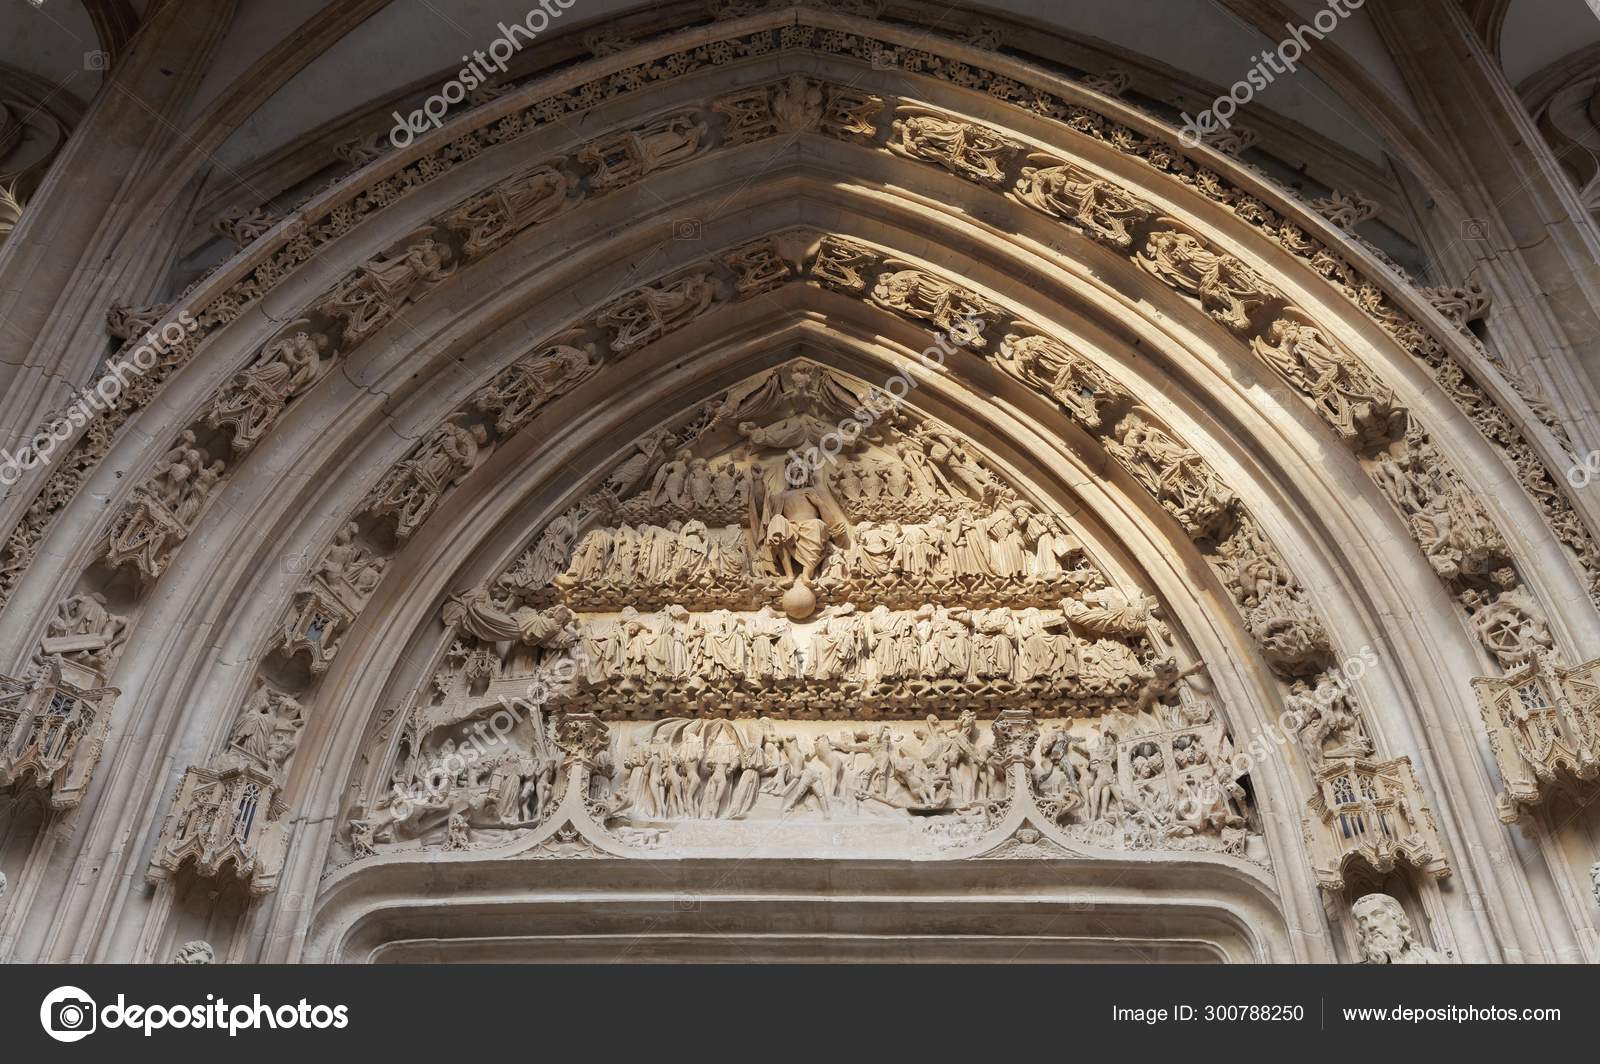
x: 804, y: 602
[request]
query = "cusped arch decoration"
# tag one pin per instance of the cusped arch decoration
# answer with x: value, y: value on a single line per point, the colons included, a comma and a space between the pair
x: 1249, y: 398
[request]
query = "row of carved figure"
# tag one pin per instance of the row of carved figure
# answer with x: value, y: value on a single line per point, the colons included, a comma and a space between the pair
x: 718, y: 769
x: 164, y: 510
x: 674, y: 647
x: 1007, y: 545
x: 1449, y: 523
x: 1158, y: 778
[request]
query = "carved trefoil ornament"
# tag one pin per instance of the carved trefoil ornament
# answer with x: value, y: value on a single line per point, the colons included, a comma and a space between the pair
x: 1543, y: 722
x: 52, y: 729
x: 1366, y: 818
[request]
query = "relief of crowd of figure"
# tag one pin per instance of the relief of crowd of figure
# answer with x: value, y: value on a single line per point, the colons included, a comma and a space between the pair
x: 941, y: 647
x: 1008, y: 545
x: 718, y: 769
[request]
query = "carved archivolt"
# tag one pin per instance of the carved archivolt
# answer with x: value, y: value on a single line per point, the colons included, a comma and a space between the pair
x: 974, y: 152
x: 1454, y: 531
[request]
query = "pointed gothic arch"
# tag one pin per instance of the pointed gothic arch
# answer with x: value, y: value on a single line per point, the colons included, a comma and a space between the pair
x: 846, y: 212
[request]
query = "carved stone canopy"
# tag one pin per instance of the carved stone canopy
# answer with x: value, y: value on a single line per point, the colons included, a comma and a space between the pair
x: 1543, y: 721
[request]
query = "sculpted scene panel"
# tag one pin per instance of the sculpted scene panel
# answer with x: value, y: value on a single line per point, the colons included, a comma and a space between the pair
x: 803, y: 604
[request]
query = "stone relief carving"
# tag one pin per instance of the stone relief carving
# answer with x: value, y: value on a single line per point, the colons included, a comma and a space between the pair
x: 267, y: 732
x: 953, y: 309
x: 1462, y: 304
x: 1345, y: 209
x: 1227, y: 289
x: 1098, y: 207
x: 1329, y: 725
x: 85, y: 633
x: 1349, y: 397
x: 680, y: 769
x: 1276, y: 613
x: 490, y: 219
x: 1155, y: 152
x: 1385, y: 933
x: 797, y: 104
x: 1112, y: 82
x: 251, y: 403
x: 369, y: 299
x: 128, y: 323
x: 411, y: 490
x: 964, y: 148
x: 198, y: 951
x: 1175, y: 475
x: 455, y: 780
x: 326, y: 605
x: 227, y: 821
x: 244, y: 224
x: 1233, y: 140
x: 649, y: 313
x: 164, y: 509
x: 1086, y: 391
x: 843, y: 264
x: 519, y: 391
x: 624, y: 158
x: 975, y: 590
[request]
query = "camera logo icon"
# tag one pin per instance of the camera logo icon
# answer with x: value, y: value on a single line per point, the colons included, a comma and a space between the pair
x: 68, y: 1014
